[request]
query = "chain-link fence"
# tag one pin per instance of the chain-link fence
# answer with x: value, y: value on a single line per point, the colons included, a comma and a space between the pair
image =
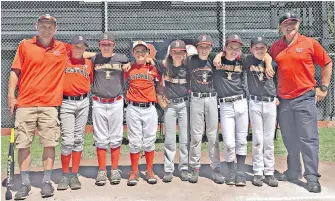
x: 162, y: 20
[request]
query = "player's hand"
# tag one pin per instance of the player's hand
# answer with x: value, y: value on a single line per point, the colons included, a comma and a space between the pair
x: 217, y: 59
x: 126, y: 67
x: 12, y: 104
x: 320, y: 95
x: 277, y: 101
x: 150, y: 60
x: 269, y: 71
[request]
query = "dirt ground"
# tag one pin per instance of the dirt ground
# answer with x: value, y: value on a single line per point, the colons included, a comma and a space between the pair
x: 177, y: 190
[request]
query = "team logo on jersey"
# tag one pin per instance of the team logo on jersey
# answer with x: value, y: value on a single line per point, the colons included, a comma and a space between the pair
x: 299, y: 49
x: 56, y: 53
x: 229, y: 75
x: 258, y: 71
x: 108, y: 75
x: 204, y: 76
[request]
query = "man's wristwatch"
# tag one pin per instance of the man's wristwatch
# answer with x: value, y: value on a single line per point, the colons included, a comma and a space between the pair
x: 323, y: 88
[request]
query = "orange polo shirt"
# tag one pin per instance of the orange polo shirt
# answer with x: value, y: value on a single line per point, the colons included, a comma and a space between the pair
x: 296, y: 70
x: 78, y: 77
x: 141, y: 86
x: 42, y: 69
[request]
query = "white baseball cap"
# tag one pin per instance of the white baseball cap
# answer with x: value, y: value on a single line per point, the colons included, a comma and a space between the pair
x: 140, y: 43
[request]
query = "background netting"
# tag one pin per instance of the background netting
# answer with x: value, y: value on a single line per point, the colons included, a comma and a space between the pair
x: 163, y: 20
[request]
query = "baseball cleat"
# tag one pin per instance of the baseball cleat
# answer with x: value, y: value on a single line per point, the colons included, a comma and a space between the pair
x: 101, y: 178
x: 133, y: 178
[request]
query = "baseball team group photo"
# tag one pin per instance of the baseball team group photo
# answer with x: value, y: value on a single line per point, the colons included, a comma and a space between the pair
x: 117, y: 114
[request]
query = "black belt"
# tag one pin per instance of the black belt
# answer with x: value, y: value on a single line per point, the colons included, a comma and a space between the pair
x: 231, y: 99
x: 262, y: 98
x: 179, y: 100
x: 142, y: 104
x: 81, y: 97
x: 204, y: 95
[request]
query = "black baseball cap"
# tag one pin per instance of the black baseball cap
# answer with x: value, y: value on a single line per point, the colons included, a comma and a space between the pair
x: 106, y: 38
x: 288, y: 16
x: 258, y: 40
x: 79, y: 39
x: 234, y: 38
x: 47, y: 18
x: 205, y: 39
x: 178, y: 45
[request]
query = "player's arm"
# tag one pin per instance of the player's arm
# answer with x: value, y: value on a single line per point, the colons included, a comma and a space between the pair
x: 268, y: 65
x: 89, y: 55
x: 13, y: 80
x: 217, y: 59
x: 14, y: 76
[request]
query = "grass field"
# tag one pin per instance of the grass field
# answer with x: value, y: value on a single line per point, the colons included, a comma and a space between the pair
x: 327, y: 148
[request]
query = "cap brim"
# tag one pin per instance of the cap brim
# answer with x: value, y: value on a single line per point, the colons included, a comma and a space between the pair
x: 253, y: 44
x: 141, y: 45
x: 178, y: 49
x: 234, y: 41
x: 79, y: 43
x: 296, y: 19
x: 207, y: 43
x: 106, y: 42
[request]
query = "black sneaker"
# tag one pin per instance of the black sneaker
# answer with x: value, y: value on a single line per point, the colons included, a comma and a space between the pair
x: 167, y: 177
x: 47, y: 189
x: 271, y: 180
x: 286, y: 176
x: 257, y: 180
x: 23, y: 192
x: 230, y: 179
x: 194, y: 176
x: 184, y: 175
x: 240, y: 179
x: 313, y: 185
x: 64, y: 182
x: 74, y: 182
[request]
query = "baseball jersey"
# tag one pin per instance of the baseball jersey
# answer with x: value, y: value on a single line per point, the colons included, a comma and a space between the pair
x: 42, y: 73
x: 78, y: 77
x: 176, y: 81
x: 140, y: 83
x: 108, y: 75
x: 201, y: 74
x: 228, y: 78
x: 258, y: 83
x: 296, y: 70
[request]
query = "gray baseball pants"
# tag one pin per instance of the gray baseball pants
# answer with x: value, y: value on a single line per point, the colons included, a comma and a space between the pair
x: 204, y: 109
x: 73, y: 116
x: 173, y: 112
x: 263, y: 122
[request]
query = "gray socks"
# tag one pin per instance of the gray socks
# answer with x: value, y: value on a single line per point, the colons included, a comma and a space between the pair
x: 47, y: 176
x: 25, y: 177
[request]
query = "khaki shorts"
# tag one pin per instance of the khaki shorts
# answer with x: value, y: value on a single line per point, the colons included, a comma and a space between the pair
x: 45, y: 119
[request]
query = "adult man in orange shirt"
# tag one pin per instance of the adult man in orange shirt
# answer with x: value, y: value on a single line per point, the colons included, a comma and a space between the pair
x: 295, y: 55
x: 74, y: 111
x: 38, y: 70
x: 141, y: 113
